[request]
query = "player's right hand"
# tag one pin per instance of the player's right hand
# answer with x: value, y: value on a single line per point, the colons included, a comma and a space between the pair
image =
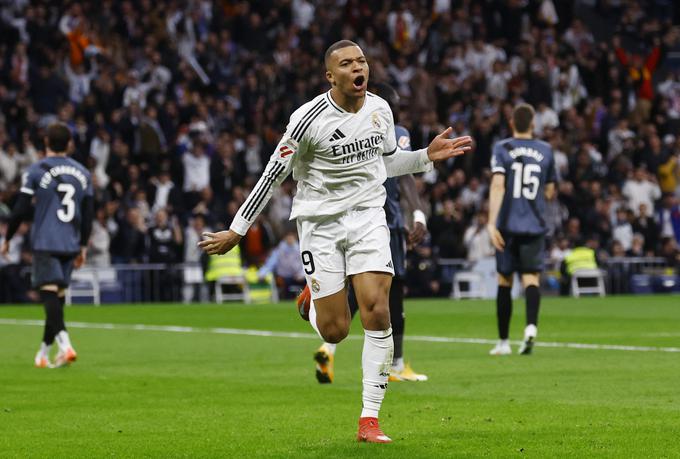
x: 80, y: 259
x: 4, y: 249
x: 219, y: 243
x: 442, y: 148
x: 496, y: 237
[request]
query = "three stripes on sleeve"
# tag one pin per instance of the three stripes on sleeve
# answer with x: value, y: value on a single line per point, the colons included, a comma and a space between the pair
x: 256, y: 199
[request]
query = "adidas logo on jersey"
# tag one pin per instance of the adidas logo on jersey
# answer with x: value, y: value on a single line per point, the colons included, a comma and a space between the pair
x: 337, y: 135
x: 389, y: 264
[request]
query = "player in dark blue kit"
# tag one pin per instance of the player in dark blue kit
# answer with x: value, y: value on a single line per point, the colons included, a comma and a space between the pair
x: 399, y: 239
x: 523, y: 178
x: 57, y: 191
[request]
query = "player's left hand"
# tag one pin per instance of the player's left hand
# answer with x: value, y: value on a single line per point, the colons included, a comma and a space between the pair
x: 417, y: 234
x: 80, y: 259
x: 496, y: 237
x: 219, y: 243
x: 442, y: 147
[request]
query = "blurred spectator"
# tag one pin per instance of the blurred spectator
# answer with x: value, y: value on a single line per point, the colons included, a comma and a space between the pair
x: 163, y: 194
x: 14, y: 284
x: 421, y: 272
x: 447, y: 230
x: 646, y: 227
x: 98, y: 253
x: 285, y: 262
x: 196, y: 173
x: 668, y: 218
x: 670, y: 252
x: 640, y: 189
x: 164, y: 239
x: 622, y: 230
x: 637, y: 248
x: 477, y: 239
x: 128, y: 246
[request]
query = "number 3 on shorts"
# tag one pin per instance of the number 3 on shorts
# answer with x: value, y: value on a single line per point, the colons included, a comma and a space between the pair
x: 308, y: 261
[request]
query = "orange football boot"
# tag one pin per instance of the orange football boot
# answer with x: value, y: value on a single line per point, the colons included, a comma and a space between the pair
x: 304, y: 302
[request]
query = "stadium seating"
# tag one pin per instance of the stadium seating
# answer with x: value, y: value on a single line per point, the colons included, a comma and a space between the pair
x: 587, y: 282
x: 468, y: 284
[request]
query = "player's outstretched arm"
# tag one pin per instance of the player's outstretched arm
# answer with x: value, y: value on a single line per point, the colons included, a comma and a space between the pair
x: 401, y: 162
x: 279, y: 166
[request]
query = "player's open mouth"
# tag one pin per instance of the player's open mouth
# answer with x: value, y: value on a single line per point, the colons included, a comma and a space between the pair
x: 359, y: 82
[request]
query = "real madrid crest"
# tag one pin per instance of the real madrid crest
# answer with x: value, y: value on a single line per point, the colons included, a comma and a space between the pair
x: 375, y: 120
x: 315, y: 286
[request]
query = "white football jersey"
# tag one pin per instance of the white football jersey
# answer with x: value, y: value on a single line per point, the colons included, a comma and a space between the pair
x: 335, y: 157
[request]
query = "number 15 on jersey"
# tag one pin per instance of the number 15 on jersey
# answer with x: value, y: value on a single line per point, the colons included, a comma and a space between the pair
x: 526, y: 180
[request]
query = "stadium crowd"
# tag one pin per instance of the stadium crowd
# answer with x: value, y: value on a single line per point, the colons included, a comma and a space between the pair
x: 175, y: 107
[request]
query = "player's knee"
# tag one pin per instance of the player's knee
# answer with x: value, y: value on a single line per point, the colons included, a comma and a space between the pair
x: 334, y: 334
x: 334, y: 330
x: 376, y: 299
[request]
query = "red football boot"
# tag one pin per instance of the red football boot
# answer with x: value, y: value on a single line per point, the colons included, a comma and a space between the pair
x: 369, y: 431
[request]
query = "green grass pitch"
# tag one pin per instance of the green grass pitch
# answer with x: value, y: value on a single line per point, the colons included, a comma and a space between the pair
x: 193, y: 392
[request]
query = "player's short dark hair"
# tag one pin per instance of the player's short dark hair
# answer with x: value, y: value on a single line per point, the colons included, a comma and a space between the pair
x: 58, y: 137
x: 334, y: 47
x: 522, y: 116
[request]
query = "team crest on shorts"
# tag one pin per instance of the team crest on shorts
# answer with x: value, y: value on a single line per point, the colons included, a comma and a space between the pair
x: 375, y: 120
x: 315, y: 286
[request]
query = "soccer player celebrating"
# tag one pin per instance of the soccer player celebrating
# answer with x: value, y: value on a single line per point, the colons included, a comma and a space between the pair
x: 341, y: 147
x: 61, y: 189
x: 400, y: 371
x: 523, y: 177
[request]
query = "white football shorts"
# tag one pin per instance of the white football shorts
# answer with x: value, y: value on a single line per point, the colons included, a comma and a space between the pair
x: 334, y: 247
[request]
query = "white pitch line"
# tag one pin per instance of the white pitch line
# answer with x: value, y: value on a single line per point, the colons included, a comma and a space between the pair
x: 296, y: 335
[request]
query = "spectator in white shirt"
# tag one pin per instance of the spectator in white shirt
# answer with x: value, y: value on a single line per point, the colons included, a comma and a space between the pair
x: 196, y: 169
x: 100, y: 241
x: 100, y: 150
x: 477, y: 239
x: 641, y: 189
x: 79, y: 81
x: 623, y: 230
x: 472, y: 195
x: 136, y: 91
x: 545, y: 118
x: 303, y: 14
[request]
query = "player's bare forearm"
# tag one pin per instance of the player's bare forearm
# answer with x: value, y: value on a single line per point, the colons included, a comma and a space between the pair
x: 219, y: 243
x: 550, y: 191
x: 81, y: 258
x: 414, y: 204
x: 496, y: 194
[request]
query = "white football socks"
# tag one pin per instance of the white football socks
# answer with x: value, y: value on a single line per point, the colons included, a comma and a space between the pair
x: 312, y: 317
x: 398, y: 364
x: 45, y: 350
x: 63, y: 340
x: 330, y: 348
x: 376, y: 361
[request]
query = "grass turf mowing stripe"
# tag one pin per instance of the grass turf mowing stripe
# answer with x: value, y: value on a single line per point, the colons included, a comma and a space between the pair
x: 275, y: 334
